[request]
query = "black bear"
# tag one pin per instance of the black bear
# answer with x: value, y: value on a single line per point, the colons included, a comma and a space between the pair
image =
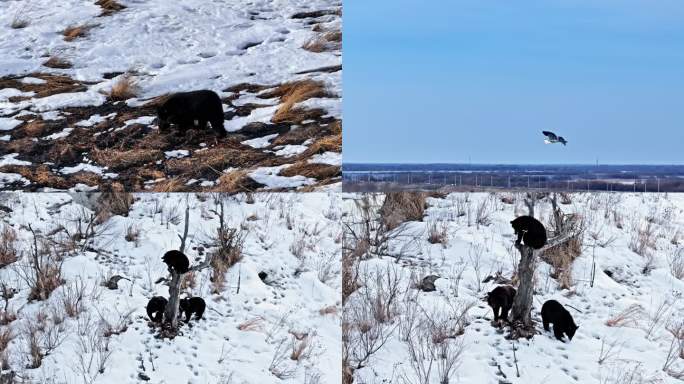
x: 192, y: 305
x: 553, y: 312
x: 155, y: 308
x: 530, y: 231
x: 176, y: 261
x: 192, y: 109
x: 501, y: 301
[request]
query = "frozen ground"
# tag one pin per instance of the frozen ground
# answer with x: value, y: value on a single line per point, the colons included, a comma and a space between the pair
x: 284, y: 329
x: 61, y: 118
x: 637, y: 294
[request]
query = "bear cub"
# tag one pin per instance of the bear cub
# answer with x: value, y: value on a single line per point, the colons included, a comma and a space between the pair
x: 155, y: 308
x: 530, y: 231
x: 188, y: 110
x: 554, y: 313
x: 192, y: 305
x: 176, y: 261
x: 501, y: 301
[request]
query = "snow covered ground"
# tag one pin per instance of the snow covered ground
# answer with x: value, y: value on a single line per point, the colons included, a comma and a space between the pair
x: 627, y: 314
x: 61, y: 117
x: 282, y: 329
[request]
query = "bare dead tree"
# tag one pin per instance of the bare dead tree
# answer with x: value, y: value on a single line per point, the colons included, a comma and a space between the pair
x: 521, y: 312
x: 171, y: 310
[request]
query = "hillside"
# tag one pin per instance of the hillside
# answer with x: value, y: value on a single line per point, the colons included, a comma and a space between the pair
x: 80, y: 82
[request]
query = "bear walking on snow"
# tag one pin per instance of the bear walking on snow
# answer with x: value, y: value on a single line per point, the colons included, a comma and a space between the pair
x: 155, y: 308
x: 553, y: 312
x: 188, y: 110
x: 176, y: 261
x: 192, y: 305
x: 530, y: 231
x: 501, y: 301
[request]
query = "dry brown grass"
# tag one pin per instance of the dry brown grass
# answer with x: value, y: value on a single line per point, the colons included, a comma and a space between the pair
x: 561, y: 258
x: 174, y: 184
x: 114, y: 200
x: 400, y: 207
x: 329, y: 310
x: 236, y: 181
x: 9, y: 251
x: 75, y: 31
x: 123, y: 89
x: 53, y: 84
x: 117, y: 160
x: 34, y: 128
x: 316, y: 171
x: 57, y: 62
x: 109, y: 6
x: 293, y: 93
x: 254, y: 324
x: 628, y: 317
x: 325, y: 42
x: 331, y: 143
x: 6, y: 336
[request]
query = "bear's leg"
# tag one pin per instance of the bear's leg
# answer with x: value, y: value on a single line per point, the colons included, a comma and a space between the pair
x: 520, y: 236
x: 496, y: 312
x: 546, y: 324
x: 557, y: 332
x: 202, y: 124
x: 504, y: 313
x: 217, y: 126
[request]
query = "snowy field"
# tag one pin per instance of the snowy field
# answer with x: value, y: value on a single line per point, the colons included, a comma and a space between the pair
x: 284, y: 328
x: 80, y: 81
x: 631, y: 328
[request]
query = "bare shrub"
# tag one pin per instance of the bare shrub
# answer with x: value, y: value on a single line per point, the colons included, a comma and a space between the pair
x: 301, y: 348
x: 657, y: 316
x: 42, y: 272
x: 642, y: 238
x: 400, y: 207
x: 438, y: 233
x: 18, y: 22
x: 9, y: 251
x: 675, y: 351
x: 6, y: 335
x: 628, y: 317
x: 483, y: 213
x: 74, y: 294
x: 115, y: 321
x: 676, y: 262
x: 132, y: 234
x: 228, y: 243
x: 124, y: 88
x: 279, y: 366
x: 42, y: 339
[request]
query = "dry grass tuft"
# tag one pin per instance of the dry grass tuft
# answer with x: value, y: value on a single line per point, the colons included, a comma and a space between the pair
x: 628, y: 317
x: 117, y: 160
x: 293, y: 93
x: 236, y: 181
x: 561, y: 258
x: 174, y: 184
x: 109, y: 6
x: 329, y: 310
x: 331, y: 143
x: 400, y: 207
x: 9, y: 252
x: 19, y: 23
x: 114, y: 200
x: 325, y: 42
x: 75, y: 31
x: 34, y: 128
x: 57, y: 62
x: 253, y: 324
x: 123, y: 89
x: 316, y: 171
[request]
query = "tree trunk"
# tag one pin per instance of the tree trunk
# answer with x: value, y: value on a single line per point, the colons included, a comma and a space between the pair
x: 522, y: 303
x: 171, y: 310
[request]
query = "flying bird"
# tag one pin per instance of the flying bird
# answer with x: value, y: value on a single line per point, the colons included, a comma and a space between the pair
x: 551, y: 138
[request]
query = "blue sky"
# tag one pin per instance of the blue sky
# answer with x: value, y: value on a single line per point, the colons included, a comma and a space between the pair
x: 444, y: 81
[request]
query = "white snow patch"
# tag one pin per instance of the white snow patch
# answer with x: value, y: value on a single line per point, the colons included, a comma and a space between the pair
x: 260, y: 142
x: 8, y: 123
x: 259, y: 115
x: 332, y: 158
x: 290, y: 150
x: 64, y: 133
x: 11, y: 159
x: 269, y: 177
x: 179, y: 153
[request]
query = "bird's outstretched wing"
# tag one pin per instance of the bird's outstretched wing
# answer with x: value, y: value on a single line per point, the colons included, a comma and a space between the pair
x: 552, y: 136
x: 562, y: 140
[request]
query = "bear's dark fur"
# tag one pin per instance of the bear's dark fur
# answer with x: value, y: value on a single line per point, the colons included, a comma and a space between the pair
x: 192, y: 109
x: 530, y: 231
x: 552, y: 312
x: 155, y: 308
x: 176, y: 261
x: 192, y: 305
x: 501, y: 301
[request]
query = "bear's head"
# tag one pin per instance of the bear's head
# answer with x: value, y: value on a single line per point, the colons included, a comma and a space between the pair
x: 571, y: 331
